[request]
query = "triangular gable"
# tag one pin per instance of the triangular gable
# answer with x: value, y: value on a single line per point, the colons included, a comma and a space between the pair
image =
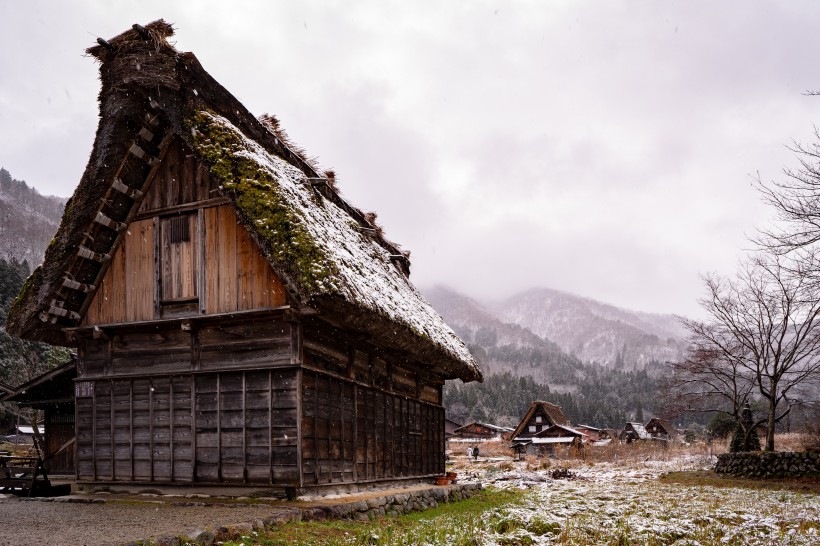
x: 551, y: 411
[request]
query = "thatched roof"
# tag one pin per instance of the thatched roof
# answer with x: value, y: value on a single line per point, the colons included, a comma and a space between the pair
x: 667, y: 427
x: 330, y: 255
x: 552, y: 412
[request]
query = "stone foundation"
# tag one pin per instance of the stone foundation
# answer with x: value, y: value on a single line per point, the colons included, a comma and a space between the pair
x: 769, y: 464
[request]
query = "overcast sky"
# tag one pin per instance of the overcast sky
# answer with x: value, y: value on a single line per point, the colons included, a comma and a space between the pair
x: 600, y: 148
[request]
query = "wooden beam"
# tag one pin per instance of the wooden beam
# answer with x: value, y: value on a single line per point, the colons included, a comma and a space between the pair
x: 121, y: 187
x: 71, y: 284
x: 89, y: 254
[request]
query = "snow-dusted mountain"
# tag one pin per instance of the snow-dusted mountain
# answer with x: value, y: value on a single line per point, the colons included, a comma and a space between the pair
x: 28, y: 220
x: 595, y: 331
x: 587, y: 329
x: 504, y: 347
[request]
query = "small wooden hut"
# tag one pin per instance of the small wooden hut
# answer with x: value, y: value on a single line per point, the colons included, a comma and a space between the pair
x: 53, y: 393
x: 236, y: 320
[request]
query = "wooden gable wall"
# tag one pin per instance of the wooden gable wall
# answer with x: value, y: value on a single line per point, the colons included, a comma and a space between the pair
x: 185, y: 254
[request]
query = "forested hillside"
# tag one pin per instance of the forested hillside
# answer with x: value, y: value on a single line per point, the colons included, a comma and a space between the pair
x: 21, y: 360
x: 28, y: 220
x: 521, y: 367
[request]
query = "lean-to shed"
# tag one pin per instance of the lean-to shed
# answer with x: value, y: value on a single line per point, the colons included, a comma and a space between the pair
x: 236, y: 320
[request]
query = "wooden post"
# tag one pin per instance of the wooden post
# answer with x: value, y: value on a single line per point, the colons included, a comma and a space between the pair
x: 111, y: 397
x: 244, y: 430
x: 131, y: 422
x: 193, y: 428
x: 171, y: 443
x: 270, y: 427
x: 151, y: 427
x: 219, y: 427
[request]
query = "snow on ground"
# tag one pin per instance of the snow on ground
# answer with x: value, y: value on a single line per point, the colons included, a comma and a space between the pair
x: 608, y: 504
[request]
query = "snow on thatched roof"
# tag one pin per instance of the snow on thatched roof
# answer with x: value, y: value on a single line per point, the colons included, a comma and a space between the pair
x: 330, y: 255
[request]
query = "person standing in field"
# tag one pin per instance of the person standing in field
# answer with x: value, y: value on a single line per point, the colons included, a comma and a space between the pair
x: 475, y: 453
x: 469, y: 453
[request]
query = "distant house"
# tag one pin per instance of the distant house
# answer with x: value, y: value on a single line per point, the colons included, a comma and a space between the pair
x: 545, y: 441
x: 481, y: 432
x: 450, y: 428
x: 540, y: 416
x: 633, y: 432
x: 592, y: 433
x: 236, y: 320
x: 660, y: 429
x: 609, y: 434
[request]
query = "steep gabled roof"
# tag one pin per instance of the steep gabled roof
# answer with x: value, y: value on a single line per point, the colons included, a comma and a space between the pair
x: 552, y: 411
x: 638, y: 429
x: 668, y: 428
x: 329, y: 254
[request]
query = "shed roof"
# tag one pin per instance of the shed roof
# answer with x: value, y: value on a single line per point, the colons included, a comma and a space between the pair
x: 55, y: 386
x: 330, y: 255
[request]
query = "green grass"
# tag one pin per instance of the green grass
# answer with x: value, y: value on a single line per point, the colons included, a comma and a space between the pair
x: 457, y: 523
x: 711, y: 478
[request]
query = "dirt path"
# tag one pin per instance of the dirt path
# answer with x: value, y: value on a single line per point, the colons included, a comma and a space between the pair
x: 61, y: 523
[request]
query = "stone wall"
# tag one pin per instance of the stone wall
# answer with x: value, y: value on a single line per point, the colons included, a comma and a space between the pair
x: 769, y: 464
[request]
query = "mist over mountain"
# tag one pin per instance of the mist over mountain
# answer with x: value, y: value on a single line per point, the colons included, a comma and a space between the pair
x: 594, y: 331
x: 28, y: 220
x: 521, y: 366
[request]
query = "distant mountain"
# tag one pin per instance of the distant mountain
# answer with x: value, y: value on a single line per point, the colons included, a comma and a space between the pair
x: 521, y: 366
x: 504, y: 347
x: 28, y: 220
x: 594, y: 331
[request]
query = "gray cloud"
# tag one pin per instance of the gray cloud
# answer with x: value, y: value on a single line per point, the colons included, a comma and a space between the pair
x: 600, y: 148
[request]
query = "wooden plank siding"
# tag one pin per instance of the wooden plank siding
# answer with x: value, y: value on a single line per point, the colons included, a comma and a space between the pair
x: 352, y: 433
x: 180, y: 180
x: 241, y: 429
x: 235, y: 278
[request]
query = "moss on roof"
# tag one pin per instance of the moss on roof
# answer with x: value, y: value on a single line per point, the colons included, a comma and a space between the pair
x: 258, y: 194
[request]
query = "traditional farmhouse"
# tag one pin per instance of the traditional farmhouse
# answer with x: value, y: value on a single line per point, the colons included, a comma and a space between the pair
x: 659, y: 429
x: 540, y: 416
x: 545, y: 441
x: 236, y: 321
x: 481, y: 432
x: 632, y: 432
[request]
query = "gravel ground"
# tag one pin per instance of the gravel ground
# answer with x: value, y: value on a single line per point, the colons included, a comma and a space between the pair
x: 62, y: 523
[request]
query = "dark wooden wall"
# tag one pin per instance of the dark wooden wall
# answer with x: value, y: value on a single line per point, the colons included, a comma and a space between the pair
x: 229, y: 427
x: 353, y: 433
x: 59, y: 429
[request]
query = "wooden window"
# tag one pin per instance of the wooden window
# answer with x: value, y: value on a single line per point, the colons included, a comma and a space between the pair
x: 179, y: 259
x: 538, y: 419
x: 532, y: 428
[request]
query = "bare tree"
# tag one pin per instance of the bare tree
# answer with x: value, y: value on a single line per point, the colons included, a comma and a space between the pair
x: 765, y: 327
x: 708, y: 380
x: 797, y: 203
